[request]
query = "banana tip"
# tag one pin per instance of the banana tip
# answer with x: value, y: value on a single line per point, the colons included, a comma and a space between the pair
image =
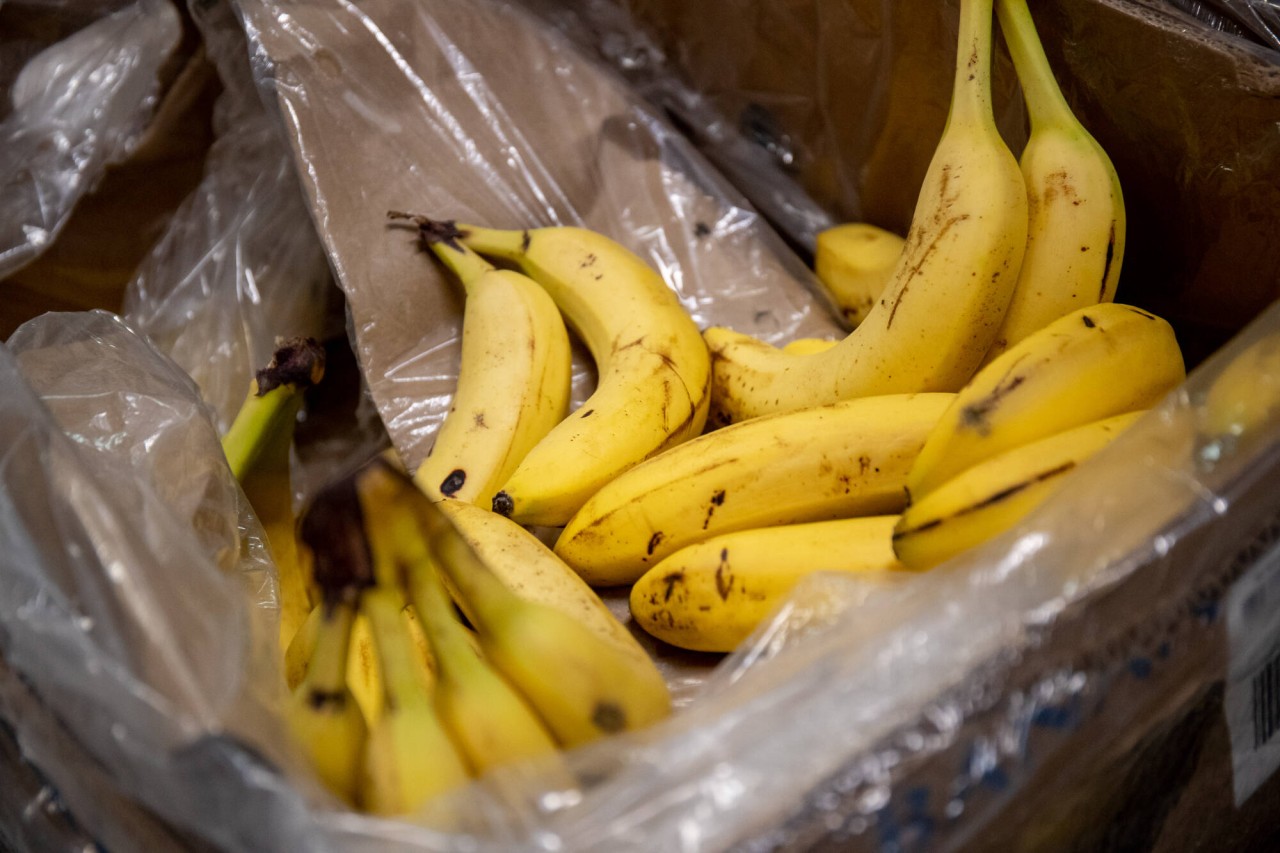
x: 297, y: 361
x: 503, y: 504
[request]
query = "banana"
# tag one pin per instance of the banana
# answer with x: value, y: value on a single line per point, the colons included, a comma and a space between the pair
x: 826, y: 462
x: 1093, y: 363
x: 709, y: 597
x: 532, y: 571
x: 409, y: 757
x: 854, y: 262
x: 1242, y: 400
x: 490, y: 722
x: 807, y: 346
x: 257, y: 448
x: 364, y: 674
x: 654, y: 370
x: 994, y: 495
x: 948, y: 292
x: 1076, y: 234
x: 513, y: 382
x: 322, y: 714
x: 582, y: 687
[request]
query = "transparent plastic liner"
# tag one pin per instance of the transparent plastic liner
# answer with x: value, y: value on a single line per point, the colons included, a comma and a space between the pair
x: 479, y: 112
x: 1258, y: 20
x: 117, y: 614
x: 239, y: 264
x: 77, y: 106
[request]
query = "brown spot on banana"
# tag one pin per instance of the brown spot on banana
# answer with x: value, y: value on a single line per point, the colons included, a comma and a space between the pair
x: 525, y: 240
x: 918, y: 265
x: 724, y: 576
x: 671, y: 581
x: 654, y: 541
x: 1088, y: 321
x: 974, y: 415
x: 451, y: 484
x: 332, y: 699
x: 1106, y: 265
x: 608, y: 717
x: 478, y: 420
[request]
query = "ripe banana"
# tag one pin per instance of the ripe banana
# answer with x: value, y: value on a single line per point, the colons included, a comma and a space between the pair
x: 709, y: 597
x: 994, y: 495
x: 949, y: 290
x: 489, y: 721
x: 1093, y: 363
x: 257, y: 448
x: 1076, y: 235
x: 409, y: 757
x: 532, y: 571
x: 582, y: 686
x: 513, y: 382
x: 825, y: 462
x: 854, y: 262
x: 807, y: 346
x: 322, y: 713
x: 654, y: 370
x: 364, y: 675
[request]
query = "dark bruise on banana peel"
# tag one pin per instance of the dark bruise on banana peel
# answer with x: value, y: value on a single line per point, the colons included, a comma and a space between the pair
x: 297, y: 361
x: 333, y: 529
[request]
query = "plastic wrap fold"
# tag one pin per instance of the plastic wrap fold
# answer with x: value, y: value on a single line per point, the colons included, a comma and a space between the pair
x: 76, y: 106
x: 137, y: 602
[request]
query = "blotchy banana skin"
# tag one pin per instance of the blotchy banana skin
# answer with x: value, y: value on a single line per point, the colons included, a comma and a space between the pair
x: 513, y: 381
x: 948, y: 293
x: 824, y: 462
x: 1076, y: 235
x: 654, y: 370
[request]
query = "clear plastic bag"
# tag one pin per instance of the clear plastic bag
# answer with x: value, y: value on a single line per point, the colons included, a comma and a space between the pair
x: 1255, y: 19
x: 77, y: 106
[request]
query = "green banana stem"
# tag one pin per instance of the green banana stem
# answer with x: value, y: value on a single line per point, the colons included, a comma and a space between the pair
x: 262, y: 421
x: 971, y: 95
x: 401, y: 678
x: 496, y: 242
x: 442, y: 238
x: 1040, y: 90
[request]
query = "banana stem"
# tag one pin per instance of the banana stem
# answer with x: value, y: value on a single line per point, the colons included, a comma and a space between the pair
x: 496, y: 242
x: 401, y: 679
x: 258, y: 420
x: 971, y: 95
x: 442, y: 238
x: 1045, y: 103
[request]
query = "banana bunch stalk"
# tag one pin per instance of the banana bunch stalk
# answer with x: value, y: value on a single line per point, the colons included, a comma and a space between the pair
x: 257, y: 448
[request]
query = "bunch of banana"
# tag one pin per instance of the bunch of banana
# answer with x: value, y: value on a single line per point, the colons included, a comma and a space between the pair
x: 654, y: 372
x: 529, y: 681
x: 978, y: 461
x: 257, y: 448
x: 513, y: 383
x: 819, y: 463
x: 1076, y: 235
x: 949, y: 289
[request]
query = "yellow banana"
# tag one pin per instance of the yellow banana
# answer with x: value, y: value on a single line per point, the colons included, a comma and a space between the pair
x: 513, y: 382
x: 364, y: 675
x: 582, y: 686
x: 1076, y: 235
x: 322, y: 713
x: 710, y: 596
x: 994, y: 495
x: 808, y: 346
x: 409, y: 757
x: 948, y: 292
x: 825, y: 462
x: 654, y: 371
x: 854, y: 262
x: 1093, y: 363
x: 1243, y: 399
x: 490, y: 722
x: 532, y: 571
x: 257, y: 448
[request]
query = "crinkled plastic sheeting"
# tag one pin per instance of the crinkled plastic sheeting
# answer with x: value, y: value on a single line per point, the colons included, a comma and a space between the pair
x: 78, y: 105
x: 1256, y: 19
x: 476, y: 112
x: 239, y: 265
x: 120, y: 613
x: 136, y: 593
